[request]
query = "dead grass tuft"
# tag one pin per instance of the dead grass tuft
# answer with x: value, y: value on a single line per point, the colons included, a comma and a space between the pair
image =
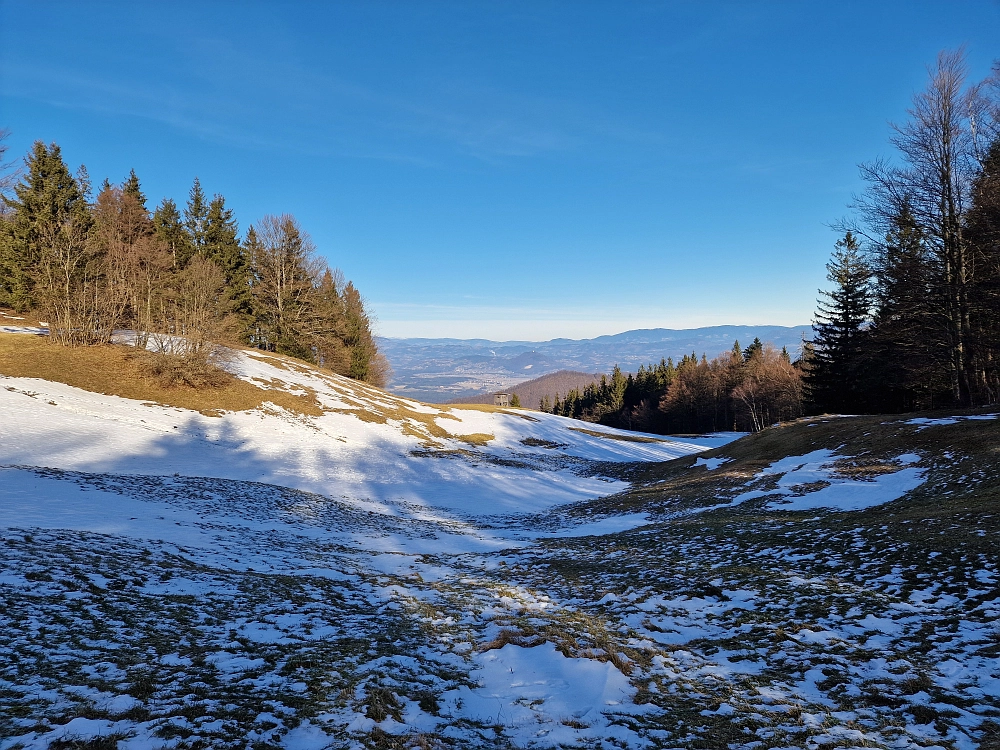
x: 476, y: 438
x: 516, y: 637
x: 380, y: 703
x: 491, y: 409
x: 539, y: 443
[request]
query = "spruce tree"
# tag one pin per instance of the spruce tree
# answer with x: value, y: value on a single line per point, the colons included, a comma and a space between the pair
x: 359, y: 337
x: 907, y: 360
x: 132, y: 187
x: 754, y: 350
x: 983, y: 227
x: 195, y: 214
x: 834, y: 383
x: 221, y: 245
x: 169, y: 228
x: 47, y: 230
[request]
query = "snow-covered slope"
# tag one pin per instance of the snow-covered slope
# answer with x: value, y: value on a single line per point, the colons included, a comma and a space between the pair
x: 358, y: 570
x: 365, y: 446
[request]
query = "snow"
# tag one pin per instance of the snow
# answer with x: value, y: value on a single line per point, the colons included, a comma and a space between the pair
x: 711, y: 439
x: 537, y: 692
x: 710, y: 463
x: 286, y: 560
x: 925, y: 422
x: 24, y: 329
x: 837, y: 492
x: 336, y: 454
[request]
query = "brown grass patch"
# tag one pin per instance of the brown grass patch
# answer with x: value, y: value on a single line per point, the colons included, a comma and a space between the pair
x: 115, y: 370
x: 509, y: 635
x: 476, y: 438
x: 10, y: 318
x: 539, y: 443
x: 864, y: 470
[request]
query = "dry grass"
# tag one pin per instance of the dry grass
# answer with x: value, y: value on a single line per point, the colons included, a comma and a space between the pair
x: 10, y: 318
x: 872, y: 444
x: 476, y: 438
x: 116, y: 371
x: 509, y: 635
x: 193, y: 383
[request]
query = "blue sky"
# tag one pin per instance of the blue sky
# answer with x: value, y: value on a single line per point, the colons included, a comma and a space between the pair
x: 502, y: 170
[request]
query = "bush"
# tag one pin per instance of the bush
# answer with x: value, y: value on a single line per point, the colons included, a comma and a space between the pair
x: 194, y: 369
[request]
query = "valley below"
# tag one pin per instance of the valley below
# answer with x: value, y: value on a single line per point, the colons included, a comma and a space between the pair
x: 446, y: 370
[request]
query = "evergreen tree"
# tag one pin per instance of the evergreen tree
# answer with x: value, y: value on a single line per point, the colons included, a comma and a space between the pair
x: 195, y: 214
x: 221, y: 245
x: 835, y: 381
x: 132, y: 187
x: 169, y: 229
x: 44, y: 249
x: 365, y: 360
x: 907, y: 362
x: 983, y: 229
x: 754, y: 350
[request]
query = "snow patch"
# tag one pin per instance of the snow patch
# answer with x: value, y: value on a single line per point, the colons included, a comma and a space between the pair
x: 834, y: 491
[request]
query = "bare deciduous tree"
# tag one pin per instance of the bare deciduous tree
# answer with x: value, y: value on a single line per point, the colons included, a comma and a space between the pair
x: 941, y: 145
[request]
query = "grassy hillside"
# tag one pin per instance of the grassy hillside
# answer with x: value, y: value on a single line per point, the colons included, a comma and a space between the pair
x: 117, y: 371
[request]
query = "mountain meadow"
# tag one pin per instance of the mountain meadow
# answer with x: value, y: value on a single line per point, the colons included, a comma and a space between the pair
x: 220, y: 529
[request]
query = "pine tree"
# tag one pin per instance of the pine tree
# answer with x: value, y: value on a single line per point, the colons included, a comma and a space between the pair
x: 132, y: 187
x: 907, y: 361
x: 221, y: 245
x: 44, y: 253
x: 835, y: 381
x: 195, y: 214
x: 170, y: 229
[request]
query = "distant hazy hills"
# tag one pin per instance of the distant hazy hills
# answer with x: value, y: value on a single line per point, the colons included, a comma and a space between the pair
x: 439, y: 370
x: 532, y: 391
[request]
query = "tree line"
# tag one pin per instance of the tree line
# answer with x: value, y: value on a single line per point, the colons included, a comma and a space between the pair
x: 743, y: 389
x: 912, y: 318
x: 93, y: 265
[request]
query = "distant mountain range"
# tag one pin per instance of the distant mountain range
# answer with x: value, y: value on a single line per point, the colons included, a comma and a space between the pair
x: 439, y: 370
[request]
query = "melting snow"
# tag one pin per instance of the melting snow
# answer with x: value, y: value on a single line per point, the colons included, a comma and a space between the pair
x: 837, y: 492
x: 547, y: 699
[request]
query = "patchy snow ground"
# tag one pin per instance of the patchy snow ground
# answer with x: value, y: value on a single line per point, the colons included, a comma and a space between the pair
x: 268, y: 579
x: 813, y: 481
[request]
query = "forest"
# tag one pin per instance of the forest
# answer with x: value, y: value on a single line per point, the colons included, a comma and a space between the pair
x: 182, y: 279
x: 911, y: 317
